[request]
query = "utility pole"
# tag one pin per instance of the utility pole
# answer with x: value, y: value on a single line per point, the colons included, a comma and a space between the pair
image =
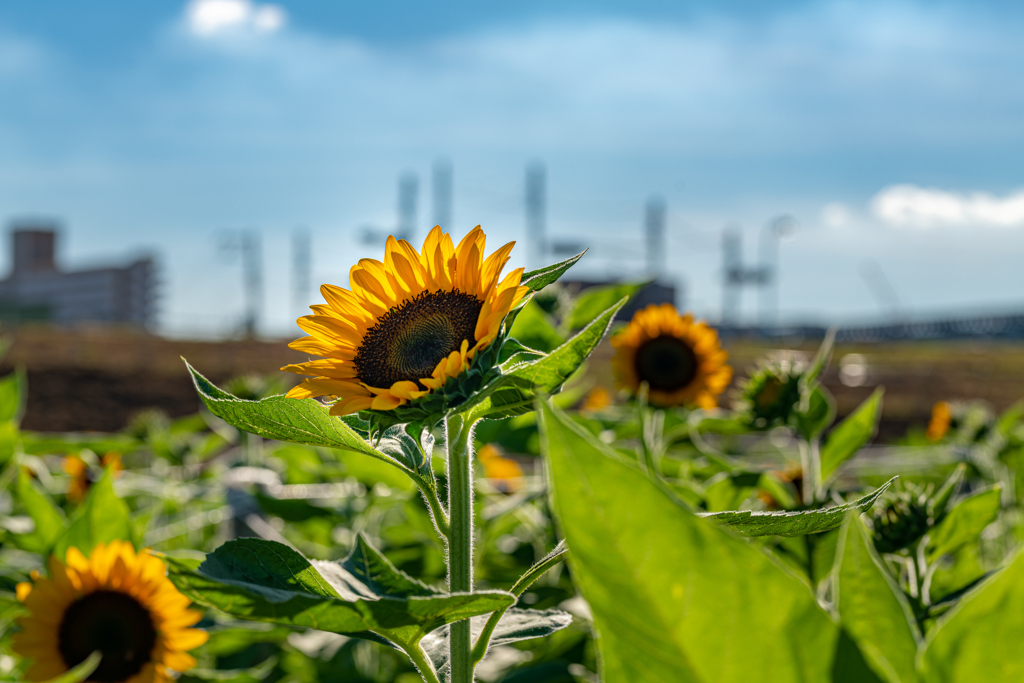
x: 252, y: 268
x: 654, y: 228
x: 536, y: 209
x: 732, y: 267
x: 408, y: 188
x: 302, y: 265
x: 442, y: 186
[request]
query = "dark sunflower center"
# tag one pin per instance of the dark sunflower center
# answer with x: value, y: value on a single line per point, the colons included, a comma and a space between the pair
x: 666, y: 363
x: 113, y: 623
x: 410, y: 340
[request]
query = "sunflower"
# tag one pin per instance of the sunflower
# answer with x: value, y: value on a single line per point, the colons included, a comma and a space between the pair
x: 679, y: 358
x: 116, y: 601
x: 82, y: 475
x: 408, y: 325
x: 504, y: 473
x: 942, y: 419
x: 597, y: 399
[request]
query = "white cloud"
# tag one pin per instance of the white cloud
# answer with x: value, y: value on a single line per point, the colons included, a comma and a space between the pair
x: 920, y: 207
x: 213, y: 17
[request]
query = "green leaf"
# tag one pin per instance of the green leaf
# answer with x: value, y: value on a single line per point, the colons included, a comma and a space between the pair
x: 81, y: 672
x: 980, y: 638
x: 851, y: 434
x: 937, y: 504
x: 812, y: 420
x: 513, y: 393
x: 759, y: 523
x: 13, y: 391
x: 533, y: 328
x: 102, y: 518
x: 515, y: 625
x: 363, y: 596
x: 592, y: 301
x: 538, y: 279
x: 821, y: 359
x: 48, y: 518
x: 965, y: 522
x: 674, y: 598
x: 305, y: 421
x: 872, y: 608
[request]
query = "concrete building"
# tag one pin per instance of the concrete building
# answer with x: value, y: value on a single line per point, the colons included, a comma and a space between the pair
x: 38, y: 290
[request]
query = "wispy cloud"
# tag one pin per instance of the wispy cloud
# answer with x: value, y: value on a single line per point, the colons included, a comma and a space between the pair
x: 209, y: 18
x: 920, y: 207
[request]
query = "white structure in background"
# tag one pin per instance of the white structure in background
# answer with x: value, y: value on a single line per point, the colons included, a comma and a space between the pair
x: 37, y: 290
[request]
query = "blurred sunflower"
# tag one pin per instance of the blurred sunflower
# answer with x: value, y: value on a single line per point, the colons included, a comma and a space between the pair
x: 82, y: 476
x: 680, y: 358
x: 408, y: 325
x: 116, y: 601
x: 597, y: 399
x: 504, y: 473
x: 942, y: 419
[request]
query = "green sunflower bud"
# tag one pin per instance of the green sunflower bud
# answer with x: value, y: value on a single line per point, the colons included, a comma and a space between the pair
x: 770, y: 396
x: 902, y: 519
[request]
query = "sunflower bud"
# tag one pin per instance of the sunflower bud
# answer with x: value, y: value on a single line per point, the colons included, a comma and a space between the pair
x: 770, y: 396
x: 902, y: 520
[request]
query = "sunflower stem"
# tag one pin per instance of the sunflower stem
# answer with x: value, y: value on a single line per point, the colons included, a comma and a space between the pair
x: 459, y: 433
x: 423, y: 663
x: 437, y: 512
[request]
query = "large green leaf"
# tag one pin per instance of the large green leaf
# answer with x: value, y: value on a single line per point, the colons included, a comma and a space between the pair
x: 851, y: 434
x: 360, y: 596
x: 48, y: 518
x: 102, y: 518
x: 592, y: 301
x: 306, y: 421
x: 513, y: 393
x: 980, y: 638
x: 759, y: 523
x: 965, y: 522
x: 515, y: 625
x: 538, y: 279
x: 872, y: 608
x: 674, y: 597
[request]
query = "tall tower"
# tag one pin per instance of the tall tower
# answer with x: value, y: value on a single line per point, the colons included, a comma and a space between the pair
x: 302, y: 262
x: 442, y: 187
x: 408, y: 189
x: 252, y: 272
x: 536, y: 210
x: 732, y: 273
x: 654, y: 231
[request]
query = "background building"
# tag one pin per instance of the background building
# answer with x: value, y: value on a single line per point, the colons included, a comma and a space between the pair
x: 38, y: 290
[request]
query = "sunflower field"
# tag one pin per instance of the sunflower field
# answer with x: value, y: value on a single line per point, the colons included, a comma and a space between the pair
x: 457, y: 490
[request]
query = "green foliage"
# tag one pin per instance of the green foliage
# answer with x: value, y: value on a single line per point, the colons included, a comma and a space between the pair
x: 534, y: 329
x: 514, y: 392
x: 872, y: 608
x: 307, y: 421
x: 592, y: 301
x: 675, y: 598
x: 757, y: 523
x: 965, y: 522
x: 102, y: 517
x: 979, y: 640
x: 851, y: 434
x: 537, y: 280
x: 49, y: 520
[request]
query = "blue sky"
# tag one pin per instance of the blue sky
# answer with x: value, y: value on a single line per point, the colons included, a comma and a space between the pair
x: 891, y: 131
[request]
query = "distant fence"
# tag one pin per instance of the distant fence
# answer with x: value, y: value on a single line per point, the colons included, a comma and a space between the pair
x: 976, y: 327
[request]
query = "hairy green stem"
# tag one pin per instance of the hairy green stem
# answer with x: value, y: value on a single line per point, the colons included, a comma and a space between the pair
x: 437, y: 512
x: 423, y: 663
x: 459, y: 432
